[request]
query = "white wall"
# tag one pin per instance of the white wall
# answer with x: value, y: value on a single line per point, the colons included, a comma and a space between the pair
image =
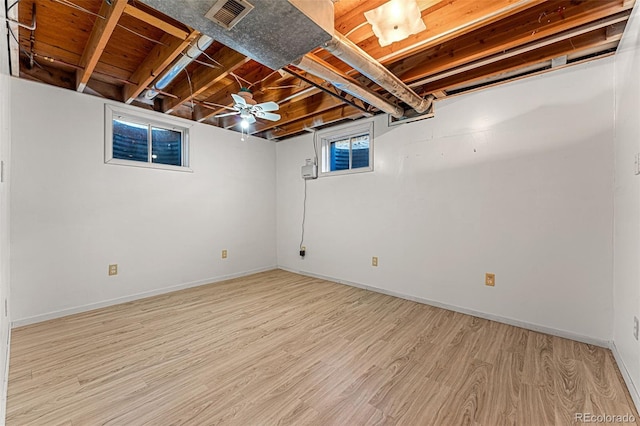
x: 626, y: 284
x: 5, y: 155
x: 514, y: 180
x: 73, y: 215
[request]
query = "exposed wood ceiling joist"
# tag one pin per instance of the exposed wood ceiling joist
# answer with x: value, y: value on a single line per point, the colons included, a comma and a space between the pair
x: 98, y: 39
x: 336, y: 114
x: 204, y: 77
x: 301, y: 109
x: 610, y: 27
x: 117, y: 51
x: 158, y: 60
x: 156, y: 22
x: 582, y: 42
x: 467, y: 49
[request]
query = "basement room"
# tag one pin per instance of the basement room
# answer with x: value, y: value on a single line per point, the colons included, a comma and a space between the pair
x: 319, y: 212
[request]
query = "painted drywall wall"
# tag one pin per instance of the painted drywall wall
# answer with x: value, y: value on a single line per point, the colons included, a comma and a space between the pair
x: 5, y: 156
x: 626, y: 283
x: 73, y: 215
x: 515, y: 180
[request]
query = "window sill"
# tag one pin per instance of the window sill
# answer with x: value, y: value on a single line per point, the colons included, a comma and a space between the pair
x: 140, y: 164
x: 346, y: 172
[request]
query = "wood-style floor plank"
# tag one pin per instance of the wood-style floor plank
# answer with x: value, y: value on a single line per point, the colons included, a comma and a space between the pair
x: 280, y: 348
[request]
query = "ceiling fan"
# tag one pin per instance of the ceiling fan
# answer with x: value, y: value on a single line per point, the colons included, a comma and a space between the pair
x: 245, y: 106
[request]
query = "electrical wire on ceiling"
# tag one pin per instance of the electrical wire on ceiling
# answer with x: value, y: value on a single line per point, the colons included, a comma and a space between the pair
x: 60, y: 61
x: 238, y: 78
x: 356, y: 28
x: 97, y: 15
x: 206, y: 55
x: 193, y: 107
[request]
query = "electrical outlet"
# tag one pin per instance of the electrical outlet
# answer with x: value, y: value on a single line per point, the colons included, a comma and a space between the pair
x: 113, y: 269
x: 303, y: 248
x: 635, y: 327
x: 224, y: 254
x: 490, y: 279
x: 636, y: 169
x: 374, y: 261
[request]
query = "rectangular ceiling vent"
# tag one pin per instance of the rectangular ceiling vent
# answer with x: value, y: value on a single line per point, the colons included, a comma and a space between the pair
x: 227, y: 13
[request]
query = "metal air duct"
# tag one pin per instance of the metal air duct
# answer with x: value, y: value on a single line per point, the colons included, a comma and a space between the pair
x: 191, y: 55
x: 351, y: 54
x: 320, y: 69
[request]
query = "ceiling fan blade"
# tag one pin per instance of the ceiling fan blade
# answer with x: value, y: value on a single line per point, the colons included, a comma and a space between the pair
x: 251, y: 119
x: 227, y: 114
x: 268, y: 116
x: 238, y: 99
x: 267, y: 106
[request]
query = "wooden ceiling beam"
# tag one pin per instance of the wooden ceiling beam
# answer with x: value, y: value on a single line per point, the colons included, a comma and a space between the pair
x: 98, y: 39
x: 336, y: 114
x: 291, y: 111
x: 453, y: 19
x: 204, y: 77
x: 582, y: 42
x: 350, y: 14
x: 156, y: 22
x: 508, y: 36
x: 445, y: 21
x: 612, y: 26
x: 160, y: 57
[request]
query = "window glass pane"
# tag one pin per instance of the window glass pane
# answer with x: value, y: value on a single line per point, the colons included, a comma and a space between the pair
x: 130, y: 141
x: 360, y: 155
x: 339, y: 155
x: 166, y: 146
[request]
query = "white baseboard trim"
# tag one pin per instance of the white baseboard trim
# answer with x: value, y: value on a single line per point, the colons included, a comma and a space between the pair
x: 510, y: 321
x: 124, y: 299
x: 633, y: 391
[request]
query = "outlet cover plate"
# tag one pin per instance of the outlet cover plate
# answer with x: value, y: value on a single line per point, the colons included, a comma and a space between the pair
x: 374, y: 261
x: 636, y: 326
x: 113, y: 269
x: 490, y: 279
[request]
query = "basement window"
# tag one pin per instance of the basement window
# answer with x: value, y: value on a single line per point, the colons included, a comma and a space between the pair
x: 144, y: 140
x: 347, y: 150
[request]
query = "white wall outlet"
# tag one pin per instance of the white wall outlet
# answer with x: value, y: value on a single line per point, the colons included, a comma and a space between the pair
x: 635, y: 327
x: 113, y: 269
x: 636, y: 168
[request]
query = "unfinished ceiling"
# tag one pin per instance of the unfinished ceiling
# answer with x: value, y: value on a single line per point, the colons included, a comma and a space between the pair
x: 120, y: 50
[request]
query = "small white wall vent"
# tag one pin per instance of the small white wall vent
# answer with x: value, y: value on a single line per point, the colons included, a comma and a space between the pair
x: 228, y: 13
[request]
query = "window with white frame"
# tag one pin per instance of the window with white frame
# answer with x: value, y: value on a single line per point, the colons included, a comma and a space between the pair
x: 347, y: 150
x: 138, y: 139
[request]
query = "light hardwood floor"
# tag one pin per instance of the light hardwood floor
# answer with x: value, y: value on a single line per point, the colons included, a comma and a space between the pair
x: 280, y: 348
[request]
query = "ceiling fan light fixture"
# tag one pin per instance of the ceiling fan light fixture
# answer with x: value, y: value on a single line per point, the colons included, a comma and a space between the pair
x: 244, y: 123
x: 395, y: 21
